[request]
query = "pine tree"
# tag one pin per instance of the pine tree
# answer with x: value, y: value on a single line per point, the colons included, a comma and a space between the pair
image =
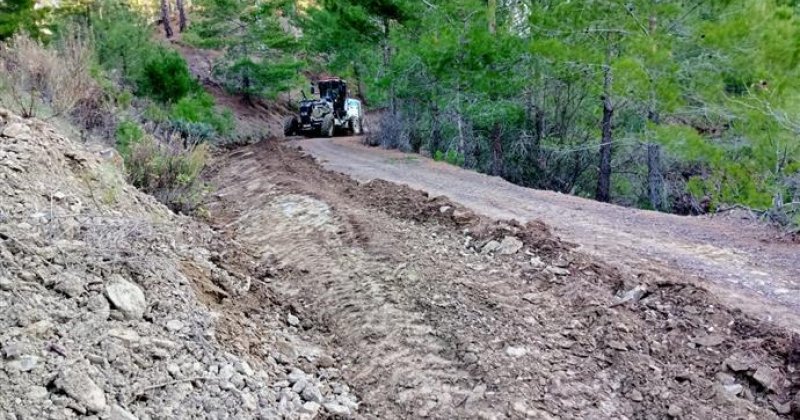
x: 257, y: 60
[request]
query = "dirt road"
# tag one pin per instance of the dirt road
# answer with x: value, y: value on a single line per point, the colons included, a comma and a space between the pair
x: 424, y: 320
x: 743, y: 263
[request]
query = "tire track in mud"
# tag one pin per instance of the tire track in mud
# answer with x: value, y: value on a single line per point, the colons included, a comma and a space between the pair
x: 424, y: 326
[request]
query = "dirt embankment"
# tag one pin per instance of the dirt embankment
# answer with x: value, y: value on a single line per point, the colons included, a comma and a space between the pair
x: 432, y: 311
x: 107, y: 301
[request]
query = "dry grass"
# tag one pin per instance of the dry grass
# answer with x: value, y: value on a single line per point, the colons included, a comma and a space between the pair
x: 39, y: 78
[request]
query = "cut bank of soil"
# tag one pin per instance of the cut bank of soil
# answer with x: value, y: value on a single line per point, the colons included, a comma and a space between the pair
x: 397, y: 286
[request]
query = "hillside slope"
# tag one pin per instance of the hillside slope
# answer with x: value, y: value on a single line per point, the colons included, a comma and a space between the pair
x: 107, y: 300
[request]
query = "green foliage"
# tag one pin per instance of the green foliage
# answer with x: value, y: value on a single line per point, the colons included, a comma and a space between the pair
x: 169, y: 171
x: 128, y: 133
x: 258, y: 59
x: 195, y: 114
x: 16, y: 15
x: 165, y: 77
x: 717, y: 84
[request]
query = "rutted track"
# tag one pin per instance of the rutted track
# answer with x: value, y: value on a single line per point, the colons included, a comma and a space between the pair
x: 424, y: 324
x: 746, y: 266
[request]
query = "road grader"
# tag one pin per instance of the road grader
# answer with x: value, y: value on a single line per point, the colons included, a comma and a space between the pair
x: 334, y: 112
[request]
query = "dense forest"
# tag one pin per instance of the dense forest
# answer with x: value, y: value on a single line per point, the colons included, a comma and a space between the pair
x: 679, y: 106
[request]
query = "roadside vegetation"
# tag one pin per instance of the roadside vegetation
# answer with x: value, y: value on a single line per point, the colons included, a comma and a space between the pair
x: 100, y: 67
x: 684, y: 107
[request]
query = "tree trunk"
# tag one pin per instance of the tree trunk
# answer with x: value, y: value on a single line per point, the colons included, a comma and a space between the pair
x: 181, y: 15
x: 654, y: 181
x: 436, y: 131
x: 497, y: 150
x: 604, y: 177
x: 165, y: 18
x: 387, y: 60
x: 360, y: 90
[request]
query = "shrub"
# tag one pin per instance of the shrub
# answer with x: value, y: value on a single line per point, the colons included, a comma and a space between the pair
x: 168, y: 170
x: 393, y: 133
x: 199, y: 109
x: 56, y: 77
x: 166, y: 78
x: 194, y: 132
x: 454, y: 158
x: 128, y: 133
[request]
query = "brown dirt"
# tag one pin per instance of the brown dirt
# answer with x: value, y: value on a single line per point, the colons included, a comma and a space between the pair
x: 393, y: 283
x: 746, y: 264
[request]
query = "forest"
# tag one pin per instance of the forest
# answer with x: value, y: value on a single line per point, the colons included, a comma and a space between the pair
x: 687, y: 107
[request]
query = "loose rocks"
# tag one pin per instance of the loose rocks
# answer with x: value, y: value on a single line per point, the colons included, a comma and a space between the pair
x: 81, y: 388
x: 127, y: 297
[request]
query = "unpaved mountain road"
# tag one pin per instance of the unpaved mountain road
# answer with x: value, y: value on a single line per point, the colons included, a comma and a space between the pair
x: 739, y: 260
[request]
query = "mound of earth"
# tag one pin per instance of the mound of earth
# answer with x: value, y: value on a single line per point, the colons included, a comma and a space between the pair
x: 436, y: 312
x: 108, y: 302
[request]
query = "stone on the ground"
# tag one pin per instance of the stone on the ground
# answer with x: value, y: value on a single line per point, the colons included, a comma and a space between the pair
x: 37, y: 393
x: 337, y: 409
x: 311, y: 407
x: 127, y: 297
x: 17, y: 130
x: 635, y: 395
x: 81, y: 388
x: 674, y: 410
x: 537, y: 262
x: 174, y: 325
x: 292, y: 320
x: 325, y: 361
x: 5, y: 283
x: 509, y: 246
x: 768, y: 378
x: 70, y: 285
x: 558, y: 271
x: 490, y: 247
x: 119, y: 413
x: 461, y: 217
x: 25, y: 363
x: 311, y: 393
x: 516, y: 351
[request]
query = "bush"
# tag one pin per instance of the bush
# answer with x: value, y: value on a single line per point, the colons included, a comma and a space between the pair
x: 168, y: 170
x: 166, y: 78
x: 56, y: 77
x: 393, y: 133
x: 199, y: 109
x: 128, y: 133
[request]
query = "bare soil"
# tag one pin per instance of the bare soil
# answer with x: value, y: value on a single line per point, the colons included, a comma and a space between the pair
x: 746, y: 264
x: 399, y: 287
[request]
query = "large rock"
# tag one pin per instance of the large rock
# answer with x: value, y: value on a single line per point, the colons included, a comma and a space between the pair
x: 127, y: 297
x: 17, y: 130
x: 81, y: 388
x: 768, y: 378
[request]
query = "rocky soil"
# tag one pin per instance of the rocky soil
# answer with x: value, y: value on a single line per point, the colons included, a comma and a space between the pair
x: 99, y: 308
x: 306, y: 294
x: 432, y: 311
